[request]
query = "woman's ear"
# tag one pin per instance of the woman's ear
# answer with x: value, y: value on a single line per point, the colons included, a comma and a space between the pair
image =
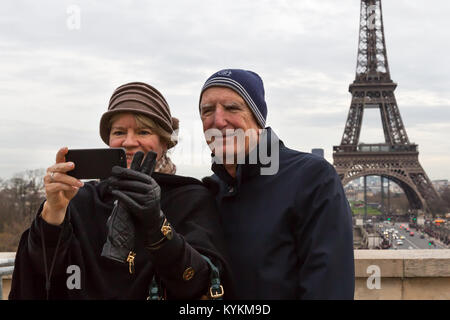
x: 163, y: 151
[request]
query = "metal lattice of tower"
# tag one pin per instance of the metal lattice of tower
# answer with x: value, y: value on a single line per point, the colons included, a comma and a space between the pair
x: 397, y: 158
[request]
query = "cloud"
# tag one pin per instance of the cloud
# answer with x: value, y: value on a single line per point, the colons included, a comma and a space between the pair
x: 56, y: 82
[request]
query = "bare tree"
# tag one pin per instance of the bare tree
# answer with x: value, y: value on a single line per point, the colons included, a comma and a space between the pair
x: 20, y: 197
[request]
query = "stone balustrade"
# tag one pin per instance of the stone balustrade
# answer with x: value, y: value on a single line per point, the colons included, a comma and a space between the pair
x: 402, y: 274
x: 383, y: 274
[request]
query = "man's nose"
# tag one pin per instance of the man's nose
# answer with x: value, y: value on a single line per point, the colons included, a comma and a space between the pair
x: 220, y: 118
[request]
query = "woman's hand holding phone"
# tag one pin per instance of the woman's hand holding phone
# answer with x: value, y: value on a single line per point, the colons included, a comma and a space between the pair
x: 60, y: 188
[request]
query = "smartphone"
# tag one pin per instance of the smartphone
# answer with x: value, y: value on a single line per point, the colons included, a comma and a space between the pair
x: 95, y: 163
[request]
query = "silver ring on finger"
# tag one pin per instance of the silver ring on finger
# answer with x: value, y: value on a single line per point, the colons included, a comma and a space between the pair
x: 51, y: 177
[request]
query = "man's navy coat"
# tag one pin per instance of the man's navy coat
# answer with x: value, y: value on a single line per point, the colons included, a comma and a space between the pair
x: 289, y: 234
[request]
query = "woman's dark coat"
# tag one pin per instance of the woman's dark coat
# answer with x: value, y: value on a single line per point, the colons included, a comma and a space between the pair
x: 188, y: 206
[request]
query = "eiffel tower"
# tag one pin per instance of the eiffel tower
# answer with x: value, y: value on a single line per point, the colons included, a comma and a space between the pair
x: 397, y: 159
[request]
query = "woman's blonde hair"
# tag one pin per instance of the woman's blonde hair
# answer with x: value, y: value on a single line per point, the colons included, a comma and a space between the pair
x: 145, y: 122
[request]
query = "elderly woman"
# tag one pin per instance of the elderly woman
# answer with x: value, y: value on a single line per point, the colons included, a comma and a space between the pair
x: 65, y: 254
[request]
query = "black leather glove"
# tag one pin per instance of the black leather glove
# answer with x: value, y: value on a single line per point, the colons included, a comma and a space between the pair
x: 121, y: 238
x: 140, y: 194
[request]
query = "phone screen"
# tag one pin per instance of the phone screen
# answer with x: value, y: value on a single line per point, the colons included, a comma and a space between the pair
x: 95, y: 163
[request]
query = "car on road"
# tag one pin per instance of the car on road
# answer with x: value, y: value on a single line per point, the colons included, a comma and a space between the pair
x: 422, y: 236
x: 399, y: 242
x: 402, y: 237
x: 411, y: 234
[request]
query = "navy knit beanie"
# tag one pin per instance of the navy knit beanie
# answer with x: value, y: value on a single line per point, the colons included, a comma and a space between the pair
x: 247, y: 84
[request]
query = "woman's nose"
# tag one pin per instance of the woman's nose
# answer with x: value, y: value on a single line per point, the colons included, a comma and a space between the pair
x: 130, y: 140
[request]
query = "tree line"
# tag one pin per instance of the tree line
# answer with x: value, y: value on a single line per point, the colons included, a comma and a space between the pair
x: 400, y: 203
x: 20, y: 198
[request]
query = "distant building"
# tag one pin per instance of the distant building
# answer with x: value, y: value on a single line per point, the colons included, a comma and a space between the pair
x: 440, y: 185
x: 318, y: 152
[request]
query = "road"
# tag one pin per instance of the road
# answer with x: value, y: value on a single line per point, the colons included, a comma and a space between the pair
x: 411, y: 242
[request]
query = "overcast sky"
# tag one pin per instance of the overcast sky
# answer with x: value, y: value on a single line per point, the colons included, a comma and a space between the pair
x: 56, y: 76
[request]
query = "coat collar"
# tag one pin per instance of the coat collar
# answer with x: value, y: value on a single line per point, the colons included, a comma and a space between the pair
x: 165, y: 181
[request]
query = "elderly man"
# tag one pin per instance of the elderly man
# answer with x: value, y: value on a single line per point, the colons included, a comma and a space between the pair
x: 285, y: 216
